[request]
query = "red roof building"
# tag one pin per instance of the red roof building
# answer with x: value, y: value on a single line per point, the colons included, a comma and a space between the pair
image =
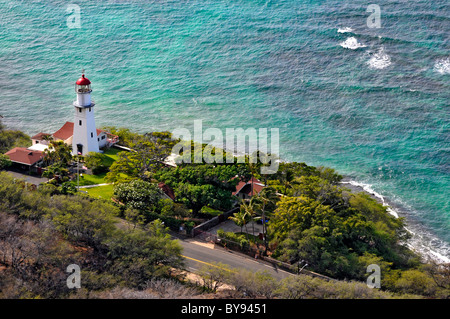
x: 40, y: 136
x: 247, y: 189
x: 65, y: 132
x: 24, y: 156
x: 167, y: 190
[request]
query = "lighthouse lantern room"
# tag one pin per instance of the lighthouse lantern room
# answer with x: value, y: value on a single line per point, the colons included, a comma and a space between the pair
x: 84, y: 130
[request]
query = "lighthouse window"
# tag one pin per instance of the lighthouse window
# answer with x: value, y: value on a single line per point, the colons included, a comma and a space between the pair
x: 92, y: 134
x: 80, y: 110
x: 89, y: 109
x: 79, y: 122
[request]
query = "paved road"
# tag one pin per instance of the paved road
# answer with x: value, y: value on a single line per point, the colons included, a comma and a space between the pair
x: 28, y: 178
x: 198, y: 254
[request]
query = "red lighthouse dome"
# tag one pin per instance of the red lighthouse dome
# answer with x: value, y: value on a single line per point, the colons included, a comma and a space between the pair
x: 83, y: 81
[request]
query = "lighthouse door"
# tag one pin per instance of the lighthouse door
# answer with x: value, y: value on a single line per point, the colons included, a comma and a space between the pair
x: 80, y: 149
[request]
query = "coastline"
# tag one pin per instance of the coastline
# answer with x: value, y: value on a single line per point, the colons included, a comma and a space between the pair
x: 421, y: 240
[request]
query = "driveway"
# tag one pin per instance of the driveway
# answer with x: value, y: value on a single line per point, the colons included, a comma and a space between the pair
x: 29, y: 179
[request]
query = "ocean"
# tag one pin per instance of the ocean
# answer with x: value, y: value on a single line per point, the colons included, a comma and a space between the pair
x: 370, y: 102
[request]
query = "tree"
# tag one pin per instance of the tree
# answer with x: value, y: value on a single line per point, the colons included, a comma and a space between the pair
x: 416, y: 282
x: 138, y: 194
x: 58, y: 153
x: 320, y: 190
x: 214, y: 276
x: 298, y: 213
x: 95, y: 161
x: 56, y: 171
x: 12, y: 138
x: 83, y: 221
x: 4, y: 161
x: 266, y: 200
x: 138, y: 255
x: 250, y: 208
x: 197, y: 196
x: 67, y: 188
x: 149, y: 153
x: 240, y: 218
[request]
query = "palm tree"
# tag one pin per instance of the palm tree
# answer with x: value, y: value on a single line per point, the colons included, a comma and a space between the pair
x: 240, y: 218
x: 286, y: 178
x: 250, y: 207
x: 56, y: 171
x: 49, y: 172
x: 47, y: 138
x: 57, y: 152
x: 266, y: 198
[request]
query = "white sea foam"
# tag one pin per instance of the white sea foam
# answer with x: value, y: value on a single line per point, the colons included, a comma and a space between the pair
x: 368, y: 188
x: 344, y: 30
x: 422, y: 241
x: 442, y: 66
x: 379, y: 60
x: 352, y: 43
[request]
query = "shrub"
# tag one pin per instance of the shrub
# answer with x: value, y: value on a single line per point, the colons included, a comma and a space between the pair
x: 96, y: 162
x: 234, y: 240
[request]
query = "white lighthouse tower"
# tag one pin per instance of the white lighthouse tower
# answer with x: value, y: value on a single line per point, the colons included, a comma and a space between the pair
x: 84, y: 131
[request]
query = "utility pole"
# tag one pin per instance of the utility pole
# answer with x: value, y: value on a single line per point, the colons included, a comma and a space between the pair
x: 78, y: 172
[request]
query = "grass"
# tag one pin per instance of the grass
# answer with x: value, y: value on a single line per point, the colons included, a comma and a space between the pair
x: 100, y: 191
x: 210, y: 211
x: 111, y: 157
x: 87, y: 179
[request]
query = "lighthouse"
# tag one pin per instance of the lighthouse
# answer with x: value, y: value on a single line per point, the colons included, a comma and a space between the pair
x: 84, y: 131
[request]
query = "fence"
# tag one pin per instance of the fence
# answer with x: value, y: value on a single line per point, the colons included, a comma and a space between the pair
x: 212, y: 222
x: 254, y: 252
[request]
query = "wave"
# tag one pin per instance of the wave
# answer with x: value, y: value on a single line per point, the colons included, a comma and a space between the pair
x: 442, y: 66
x: 344, y: 30
x: 352, y: 43
x: 368, y: 188
x: 421, y: 241
x: 379, y: 60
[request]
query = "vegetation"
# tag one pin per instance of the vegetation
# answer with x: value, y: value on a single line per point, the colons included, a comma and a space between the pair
x: 148, y: 155
x: 307, y: 216
x: 262, y: 285
x: 58, y: 153
x: 41, y: 233
x: 96, y: 162
x: 4, y: 161
x: 105, y: 191
x: 12, y: 138
x: 200, y: 185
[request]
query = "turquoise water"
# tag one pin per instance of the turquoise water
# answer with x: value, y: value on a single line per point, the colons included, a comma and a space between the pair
x: 375, y: 107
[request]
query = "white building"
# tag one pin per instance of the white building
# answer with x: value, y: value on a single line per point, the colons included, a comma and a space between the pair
x: 84, y: 132
x: 81, y: 134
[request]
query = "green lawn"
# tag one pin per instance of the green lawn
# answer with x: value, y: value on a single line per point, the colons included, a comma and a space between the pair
x: 210, y: 211
x: 111, y: 157
x: 100, y: 191
x: 86, y: 179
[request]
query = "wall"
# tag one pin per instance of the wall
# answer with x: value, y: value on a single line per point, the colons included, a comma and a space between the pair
x: 213, y: 222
